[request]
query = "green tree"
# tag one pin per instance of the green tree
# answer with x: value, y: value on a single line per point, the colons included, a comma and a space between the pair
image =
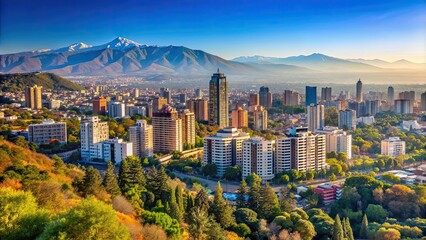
x: 331, y: 116
x: 232, y: 173
x: 202, y: 200
x: 92, y: 182
x: 90, y: 219
x: 242, y: 193
x: 254, y: 196
x: 387, y: 234
x: 20, y: 217
x: 221, y: 209
x: 269, y: 207
x: 253, y: 179
x: 348, y: 229
x: 131, y: 173
x: 168, y: 224
x: 363, y: 232
x: 247, y: 216
x: 175, y: 211
x: 242, y: 229
x: 110, y: 182
x: 199, y: 223
x: 338, y: 233
x: 306, y: 229
x: 210, y: 170
x: 157, y: 183
x: 376, y: 213
x: 179, y: 198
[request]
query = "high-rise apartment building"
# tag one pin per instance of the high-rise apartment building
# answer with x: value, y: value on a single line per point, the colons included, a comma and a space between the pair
x: 33, y: 97
x: 423, y: 102
x: 326, y: 94
x: 225, y: 148
x: 347, y: 119
x: 182, y: 98
x: 239, y: 118
x: 167, y: 130
x: 218, y: 100
x: 393, y: 147
x: 158, y: 104
x: 47, y: 131
x: 92, y: 133
x: 359, y: 91
x: 99, y: 106
x: 315, y: 117
x: 300, y: 150
x: 291, y: 98
x: 254, y: 99
x: 116, y: 150
x: 372, y: 107
x: 168, y: 96
x: 311, y: 95
x: 391, y: 95
x: 258, y: 157
x: 337, y: 140
x: 409, y: 95
x: 265, y: 97
x: 141, y: 135
x: 259, y: 118
x: 199, y: 107
x: 403, y: 106
x: 135, y: 93
x: 198, y: 93
x: 188, y: 127
x: 116, y: 110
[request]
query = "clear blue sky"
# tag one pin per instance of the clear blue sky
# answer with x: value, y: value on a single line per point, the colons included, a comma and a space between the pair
x: 348, y: 29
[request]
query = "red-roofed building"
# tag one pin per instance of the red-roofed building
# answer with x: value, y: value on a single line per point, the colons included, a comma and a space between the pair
x: 329, y: 193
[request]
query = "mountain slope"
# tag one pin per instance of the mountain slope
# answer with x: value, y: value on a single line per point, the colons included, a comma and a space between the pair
x: 402, y: 64
x: 18, y: 81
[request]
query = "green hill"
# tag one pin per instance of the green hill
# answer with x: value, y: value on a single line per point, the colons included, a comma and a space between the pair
x: 18, y: 81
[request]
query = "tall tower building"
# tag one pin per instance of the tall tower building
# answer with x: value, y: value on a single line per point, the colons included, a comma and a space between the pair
x: 254, y: 99
x: 391, y: 95
x: 142, y: 139
x: 311, y: 95
x: 315, y: 116
x: 198, y: 93
x: 218, y: 100
x: 239, y: 118
x: 258, y: 157
x: 168, y: 96
x: 403, y: 106
x: 188, y: 127
x: 326, y: 94
x: 158, y: 103
x: 99, y: 106
x: 199, y: 107
x: 33, y: 97
x: 347, y: 119
x: 410, y: 95
x: 265, y: 97
x: 423, y: 102
x: 359, y: 91
x: 135, y: 93
x: 92, y: 133
x: 337, y: 140
x: 167, y: 130
x: 291, y: 98
x: 259, y: 118
x: 116, y: 109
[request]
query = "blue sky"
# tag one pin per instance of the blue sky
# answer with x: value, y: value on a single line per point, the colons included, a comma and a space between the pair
x: 389, y: 30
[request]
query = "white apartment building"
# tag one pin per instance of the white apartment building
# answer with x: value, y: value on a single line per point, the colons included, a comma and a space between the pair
x: 116, y: 110
x: 300, y: 150
x: 347, y: 119
x: 116, y: 150
x: 46, y: 131
x: 337, y: 140
x: 258, y: 157
x: 315, y: 116
x: 92, y: 132
x: 225, y: 148
x: 142, y: 139
x: 393, y: 147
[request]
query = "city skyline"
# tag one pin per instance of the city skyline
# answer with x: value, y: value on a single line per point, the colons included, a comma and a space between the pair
x: 389, y: 31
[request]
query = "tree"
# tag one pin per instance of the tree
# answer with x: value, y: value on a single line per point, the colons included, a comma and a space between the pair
x: 332, y: 177
x: 157, y: 183
x: 242, y: 229
x: 306, y: 229
x: 131, y: 173
x: 338, y: 233
x: 179, y: 198
x: 253, y: 179
x: 254, y: 195
x: 92, y: 182
x: 110, y: 182
x: 269, y: 207
x: 232, y: 173
x: 168, y: 224
x: 175, y: 211
x: 331, y: 116
x: 199, y: 223
x: 348, y: 229
x: 90, y: 219
x: 202, y: 201
x: 246, y: 215
x: 242, y: 195
x: 210, y: 170
x: 376, y: 213
x: 20, y: 217
x: 387, y: 234
x: 363, y: 232
x: 220, y: 208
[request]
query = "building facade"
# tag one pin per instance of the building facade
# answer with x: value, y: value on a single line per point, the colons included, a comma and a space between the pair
x: 239, y: 118
x: 141, y: 135
x: 99, y: 106
x: 167, y: 130
x: 92, y: 132
x: 315, y: 116
x: 258, y: 157
x: 259, y: 118
x: 188, y: 128
x: 310, y: 95
x: 359, y: 96
x: 393, y: 147
x: 347, y: 119
x: 265, y: 97
x: 116, y: 110
x: 116, y: 150
x: 403, y: 106
x: 33, y: 97
x: 337, y: 140
x: 200, y: 108
x: 326, y: 94
x: 47, y: 131
x: 218, y: 100
x: 291, y: 98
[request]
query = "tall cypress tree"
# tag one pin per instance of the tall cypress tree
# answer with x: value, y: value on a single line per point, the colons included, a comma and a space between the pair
x: 254, y: 196
x: 269, y: 207
x: 338, y: 233
x: 242, y: 192
x: 220, y: 208
x: 363, y: 232
x: 179, y: 198
x: 110, y: 182
x: 131, y: 173
x: 124, y: 174
x: 174, y: 211
x: 348, y: 229
x: 157, y: 183
x: 202, y: 200
x: 92, y: 182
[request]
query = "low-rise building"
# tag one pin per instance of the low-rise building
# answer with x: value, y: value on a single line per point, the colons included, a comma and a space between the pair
x: 393, y: 147
x: 329, y: 193
x: 47, y: 131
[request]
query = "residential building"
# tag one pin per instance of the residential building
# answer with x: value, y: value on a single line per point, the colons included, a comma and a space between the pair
x: 372, y: 107
x: 141, y: 137
x: 116, y: 150
x: 291, y: 98
x: 423, y: 102
x: 47, y: 131
x: 337, y: 140
x: 199, y: 107
x: 329, y: 193
x: 158, y: 104
x: 265, y: 97
x: 359, y: 96
x: 347, y: 119
x: 403, y: 106
x: 54, y: 104
x: 391, y: 95
x: 131, y: 110
x: 218, y: 100
x: 311, y: 95
x: 239, y: 118
x: 259, y: 118
x: 182, y: 98
x: 167, y: 130
x: 99, y: 106
x: 116, y: 110
x: 301, y: 150
x: 225, y: 148
x: 254, y: 99
x: 410, y: 95
x: 92, y: 133
x: 198, y: 93
x: 326, y: 94
x: 258, y: 157
x: 188, y: 127
x: 33, y: 97
x: 393, y: 147
x: 315, y: 117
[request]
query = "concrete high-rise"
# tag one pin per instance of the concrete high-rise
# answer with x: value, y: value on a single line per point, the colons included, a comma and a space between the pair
x: 99, y: 106
x: 300, y: 150
x: 33, y: 97
x: 158, y: 103
x: 337, y: 140
x: 310, y: 95
x: 291, y: 98
x: 254, y: 99
x: 92, y: 133
x: 315, y: 117
x: 141, y: 135
x: 347, y: 119
x: 391, y: 95
x: 198, y: 93
x: 116, y: 150
x: 199, y: 107
x: 403, y: 106
x: 259, y: 118
x: 326, y: 94
x: 225, y: 149
x: 258, y: 157
x: 409, y: 95
x: 265, y: 97
x: 168, y: 96
x: 359, y: 91
x: 116, y: 110
x: 423, y: 102
x: 393, y: 147
x: 135, y: 93
x: 47, y: 131
x: 239, y: 118
x: 188, y: 127
x: 372, y: 107
x: 167, y: 130
x: 218, y: 100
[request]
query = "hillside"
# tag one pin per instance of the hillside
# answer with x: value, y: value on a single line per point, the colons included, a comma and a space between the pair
x: 18, y: 81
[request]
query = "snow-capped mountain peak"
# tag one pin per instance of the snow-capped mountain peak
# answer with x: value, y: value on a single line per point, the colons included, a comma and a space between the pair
x: 122, y: 43
x: 78, y: 46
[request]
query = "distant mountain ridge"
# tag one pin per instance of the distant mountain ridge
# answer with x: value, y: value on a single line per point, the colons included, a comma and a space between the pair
x: 18, y: 81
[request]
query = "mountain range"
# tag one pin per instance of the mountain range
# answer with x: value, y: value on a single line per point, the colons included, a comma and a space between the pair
x: 124, y: 56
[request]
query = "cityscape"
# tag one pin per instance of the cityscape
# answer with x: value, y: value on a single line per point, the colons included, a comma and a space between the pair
x: 123, y: 140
